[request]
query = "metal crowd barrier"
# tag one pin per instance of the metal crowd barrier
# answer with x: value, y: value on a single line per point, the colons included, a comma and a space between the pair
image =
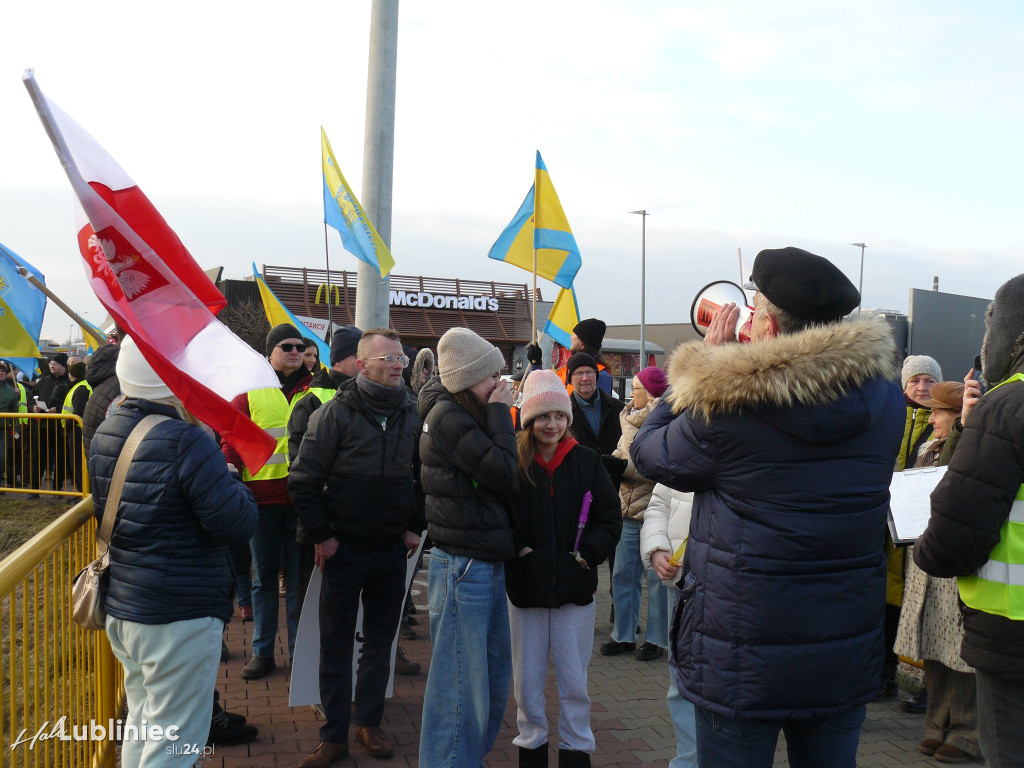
x: 42, y: 453
x: 60, y: 682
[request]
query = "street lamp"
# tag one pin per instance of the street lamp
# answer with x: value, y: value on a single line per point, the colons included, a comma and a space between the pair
x: 643, y: 288
x: 860, y: 284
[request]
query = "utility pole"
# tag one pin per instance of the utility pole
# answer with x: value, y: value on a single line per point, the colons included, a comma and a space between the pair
x: 378, y: 157
x: 643, y: 288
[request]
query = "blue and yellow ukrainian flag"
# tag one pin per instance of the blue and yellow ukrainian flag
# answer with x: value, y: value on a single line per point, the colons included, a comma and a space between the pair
x: 565, y: 314
x: 343, y: 212
x: 93, y: 337
x: 277, y: 313
x: 21, y: 307
x: 541, y: 225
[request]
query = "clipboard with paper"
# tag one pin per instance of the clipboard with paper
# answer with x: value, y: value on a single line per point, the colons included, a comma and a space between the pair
x: 910, y: 502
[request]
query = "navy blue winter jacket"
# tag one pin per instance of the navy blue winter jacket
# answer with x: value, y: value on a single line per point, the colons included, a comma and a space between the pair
x: 181, y: 509
x: 789, y: 446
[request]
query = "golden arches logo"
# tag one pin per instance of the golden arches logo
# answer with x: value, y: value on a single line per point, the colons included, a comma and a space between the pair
x: 328, y: 290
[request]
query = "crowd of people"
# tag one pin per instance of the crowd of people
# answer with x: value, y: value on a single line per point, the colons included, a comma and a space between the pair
x: 745, y: 486
x: 50, y: 449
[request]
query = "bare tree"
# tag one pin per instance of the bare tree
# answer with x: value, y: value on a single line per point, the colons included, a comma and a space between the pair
x: 247, y: 320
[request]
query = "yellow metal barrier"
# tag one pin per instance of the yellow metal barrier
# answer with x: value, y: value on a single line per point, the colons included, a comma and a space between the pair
x: 43, y: 453
x: 57, y: 678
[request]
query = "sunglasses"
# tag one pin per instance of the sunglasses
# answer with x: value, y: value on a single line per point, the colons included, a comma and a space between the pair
x: 290, y: 347
x: 390, y: 359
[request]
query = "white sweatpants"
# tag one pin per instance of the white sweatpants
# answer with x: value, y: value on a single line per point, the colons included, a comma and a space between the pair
x: 567, y: 633
x: 169, y: 674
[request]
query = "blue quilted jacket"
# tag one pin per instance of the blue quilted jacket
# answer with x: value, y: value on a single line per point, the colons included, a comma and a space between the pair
x: 181, y: 509
x: 789, y: 447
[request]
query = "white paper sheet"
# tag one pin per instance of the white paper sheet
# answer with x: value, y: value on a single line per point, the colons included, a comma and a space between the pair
x: 304, y: 689
x: 910, y: 502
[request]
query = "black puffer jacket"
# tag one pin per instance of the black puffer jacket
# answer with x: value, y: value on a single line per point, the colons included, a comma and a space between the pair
x: 102, y: 377
x: 545, y: 517
x: 969, y: 507
x: 181, y: 509
x: 467, y: 472
x: 352, y: 479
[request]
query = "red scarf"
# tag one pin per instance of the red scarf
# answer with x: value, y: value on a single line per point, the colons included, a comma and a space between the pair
x: 564, y: 446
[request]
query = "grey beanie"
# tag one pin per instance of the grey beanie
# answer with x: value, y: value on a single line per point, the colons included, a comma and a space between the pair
x: 1004, y: 332
x: 915, y: 365
x: 466, y: 359
x: 136, y: 375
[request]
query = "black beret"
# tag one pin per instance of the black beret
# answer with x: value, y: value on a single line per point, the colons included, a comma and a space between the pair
x: 344, y: 342
x: 807, y: 286
x: 590, y: 332
x: 579, y: 360
x: 279, y: 333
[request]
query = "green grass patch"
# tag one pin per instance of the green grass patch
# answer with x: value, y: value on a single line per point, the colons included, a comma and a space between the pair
x: 22, y: 518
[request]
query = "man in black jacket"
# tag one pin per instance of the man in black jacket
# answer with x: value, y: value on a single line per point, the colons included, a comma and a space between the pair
x: 353, y: 486
x: 595, y: 413
x: 976, y: 531
x: 45, y: 435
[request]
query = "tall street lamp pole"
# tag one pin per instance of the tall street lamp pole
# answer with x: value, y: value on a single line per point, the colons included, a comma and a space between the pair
x: 643, y: 289
x: 860, y: 283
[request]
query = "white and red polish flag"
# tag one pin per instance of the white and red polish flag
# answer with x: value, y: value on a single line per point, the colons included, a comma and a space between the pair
x: 153, y: 288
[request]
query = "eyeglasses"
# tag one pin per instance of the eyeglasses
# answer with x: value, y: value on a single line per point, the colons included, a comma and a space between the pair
x: 639, y: 388
x: 584, y: 374
x: 392, y: 359
x: 290, y: 347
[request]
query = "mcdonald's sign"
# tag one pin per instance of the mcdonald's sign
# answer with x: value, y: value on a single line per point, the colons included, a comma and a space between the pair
x: 328, y: 290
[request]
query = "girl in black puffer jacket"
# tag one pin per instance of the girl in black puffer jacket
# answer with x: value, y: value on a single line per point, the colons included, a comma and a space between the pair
x: 551, y: 582
x: 468, y: 454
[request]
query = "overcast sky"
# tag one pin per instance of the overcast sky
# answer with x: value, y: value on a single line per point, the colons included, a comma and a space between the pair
x: 737, y: 124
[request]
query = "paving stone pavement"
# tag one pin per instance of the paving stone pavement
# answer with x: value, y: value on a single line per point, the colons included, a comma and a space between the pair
x: 629, y: 717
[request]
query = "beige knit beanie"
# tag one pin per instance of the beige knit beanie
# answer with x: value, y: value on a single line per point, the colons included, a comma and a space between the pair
x: 544, y: 392
x: 466, y: 359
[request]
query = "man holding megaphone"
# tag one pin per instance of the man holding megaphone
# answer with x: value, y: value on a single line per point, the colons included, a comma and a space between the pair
x: 788, y: 443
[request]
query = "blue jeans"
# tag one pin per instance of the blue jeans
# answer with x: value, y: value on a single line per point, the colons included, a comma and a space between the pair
x: 471, y: 665
x: 169, y: 674
x: 829, y: 742
x: 683, y: 717
x: 627, y: 582
x: 273, y: 547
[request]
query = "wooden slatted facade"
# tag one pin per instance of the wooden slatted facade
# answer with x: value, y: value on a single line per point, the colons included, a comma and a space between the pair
x: 304, y: 291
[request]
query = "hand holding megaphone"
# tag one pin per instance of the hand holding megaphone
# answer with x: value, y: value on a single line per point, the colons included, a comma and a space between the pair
x: 720, y: 313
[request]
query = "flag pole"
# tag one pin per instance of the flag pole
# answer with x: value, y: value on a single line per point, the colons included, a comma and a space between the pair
x: 330, y: 317
x: 56, y: 300
x: 536, y: 194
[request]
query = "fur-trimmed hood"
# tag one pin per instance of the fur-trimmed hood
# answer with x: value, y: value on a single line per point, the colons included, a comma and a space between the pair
x: 814, y: 367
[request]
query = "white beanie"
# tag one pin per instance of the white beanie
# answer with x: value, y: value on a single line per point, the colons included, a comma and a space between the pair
x: 137, y: 377
x: 466, y: 359
x: 543, y: 393
x: 915, y: 365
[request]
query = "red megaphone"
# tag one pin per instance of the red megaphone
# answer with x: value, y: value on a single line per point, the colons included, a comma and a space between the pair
x: 711, y: 298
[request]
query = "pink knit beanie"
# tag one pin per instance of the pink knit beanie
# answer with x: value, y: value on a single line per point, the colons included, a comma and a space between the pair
x: 653, y: 380
x: 544, y: 392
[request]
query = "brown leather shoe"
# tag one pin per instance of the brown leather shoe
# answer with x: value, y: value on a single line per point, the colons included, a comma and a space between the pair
x: 325, y: 753
x: 947, y: 753
x: 372, y: 737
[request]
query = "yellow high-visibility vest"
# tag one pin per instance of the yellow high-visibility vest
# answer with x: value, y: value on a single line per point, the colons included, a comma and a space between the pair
x: 68, y: 408
x: 269, y: 410
x: 998, y: 586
